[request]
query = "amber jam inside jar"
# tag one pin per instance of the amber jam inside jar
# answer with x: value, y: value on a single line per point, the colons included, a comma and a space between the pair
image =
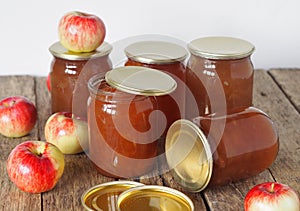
x: 219, y: 75
x: 69, y: 77
x: 123, y: 127
x: 216, y: 150
x: 168, y: 58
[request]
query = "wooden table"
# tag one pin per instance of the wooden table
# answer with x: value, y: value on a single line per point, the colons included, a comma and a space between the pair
x: 275, y: 91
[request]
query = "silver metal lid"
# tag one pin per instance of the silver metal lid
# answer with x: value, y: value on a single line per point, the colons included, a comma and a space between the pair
x: 221, y: 48
x: 155, y: 52
x: 188, y: 155
x: 59, y: 51
x: 141, y: 81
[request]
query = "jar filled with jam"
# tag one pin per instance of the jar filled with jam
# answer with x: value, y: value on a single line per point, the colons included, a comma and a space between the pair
x: 218, y: 149
x: 219, y: 75
x: 169, y: 58
x: 69, y: 76
x: 124, y: 125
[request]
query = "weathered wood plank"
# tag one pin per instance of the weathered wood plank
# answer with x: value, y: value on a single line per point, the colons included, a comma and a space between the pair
x: 11, y: 197
x: 269, y: 97
x: 80, y: 174
x: 289, y: 81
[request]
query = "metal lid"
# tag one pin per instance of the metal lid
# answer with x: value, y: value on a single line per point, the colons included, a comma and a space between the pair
x: 160, y: 198
x: 93, y: 198
x: 141, y: 81
x: 155, y: 52
x: 221, y: 48
x: 59, y: 51
x: 188, y: 155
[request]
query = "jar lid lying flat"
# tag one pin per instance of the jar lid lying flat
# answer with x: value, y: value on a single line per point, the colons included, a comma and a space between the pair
x: 155, y: 52
x: 188, y: 155
x: 154, y: 197
x: 141, y: 81
x: 99, y: 196
x: 59, y: 51
x: 221, y: 48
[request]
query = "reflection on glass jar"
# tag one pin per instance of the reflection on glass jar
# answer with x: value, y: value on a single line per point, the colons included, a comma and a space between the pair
x: 123, y: 121
x: 69, y: 76
x: 219, y: 75
x: 215, y: 150
x: 169, y: 58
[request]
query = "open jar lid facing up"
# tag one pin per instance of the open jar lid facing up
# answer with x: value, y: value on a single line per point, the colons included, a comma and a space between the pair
x: 141, y: 81
x: 59, y: 51
x: 221, y: 48
x: 188, y: 155
x: 155, y: 52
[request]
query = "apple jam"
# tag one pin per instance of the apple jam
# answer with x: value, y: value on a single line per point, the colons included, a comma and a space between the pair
x: 218, y: 149
x: 219, y: 75
x: 69, y: 76
x: 123, y: 125
x: 168, y: 58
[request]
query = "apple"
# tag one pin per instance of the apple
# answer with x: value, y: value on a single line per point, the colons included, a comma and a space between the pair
x: 35, y: 166
x: 18, y: 116
x: 81, y: 32
x: 48, y: 82
x: 66, y: 132
x: 271, y: 196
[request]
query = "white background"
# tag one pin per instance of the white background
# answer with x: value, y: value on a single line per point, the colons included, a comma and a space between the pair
x: 29, y: 27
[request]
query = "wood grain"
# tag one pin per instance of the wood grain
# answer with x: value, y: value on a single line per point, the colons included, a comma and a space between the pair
x: 276, y: 92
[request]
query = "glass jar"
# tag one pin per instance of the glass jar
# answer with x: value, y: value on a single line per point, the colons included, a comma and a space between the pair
x: 219, y: 75
x: 218, y: 149
x: 123, y: 125
x: 169, y: 58
x: 69, y: 76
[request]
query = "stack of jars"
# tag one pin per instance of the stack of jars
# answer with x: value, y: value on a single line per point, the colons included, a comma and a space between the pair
x: 199, y: 117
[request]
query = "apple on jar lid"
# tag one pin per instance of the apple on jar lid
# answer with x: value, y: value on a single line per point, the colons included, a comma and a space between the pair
x: 81, y: 32
x: 271, y: 196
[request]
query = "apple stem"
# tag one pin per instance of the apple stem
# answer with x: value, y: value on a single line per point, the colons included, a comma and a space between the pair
x: 10, y: 104
x: 272, y: 187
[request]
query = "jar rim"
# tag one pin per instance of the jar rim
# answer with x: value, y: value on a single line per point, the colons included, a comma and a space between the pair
x: 106, y: 95
x: 59, y: 51
x: 141, y: 81
x: 155, y: 52
x: 221, y: 48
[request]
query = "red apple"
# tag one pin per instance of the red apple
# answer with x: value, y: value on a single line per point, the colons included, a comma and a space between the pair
x: 66, y: 132
x: 17, y: 116
x: 81, y: 32
x: 48, y: 82
x: 271, y: 196
x: 35, y: 166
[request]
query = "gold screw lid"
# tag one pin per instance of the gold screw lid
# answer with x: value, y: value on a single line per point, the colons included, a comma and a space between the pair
x: 59, y: 51
x: 221, y: 48
x: 155, y: 52
x: 188, y: 155
x: 92, y: 199
x: 160, y: 198
x: 141, y: 81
